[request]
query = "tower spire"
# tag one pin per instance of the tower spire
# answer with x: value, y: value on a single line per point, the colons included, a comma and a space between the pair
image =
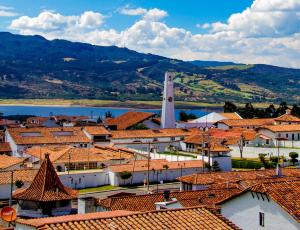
x: 168, y: 110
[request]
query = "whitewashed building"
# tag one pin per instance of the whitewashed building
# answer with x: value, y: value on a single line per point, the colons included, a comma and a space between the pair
x: 273, y: 206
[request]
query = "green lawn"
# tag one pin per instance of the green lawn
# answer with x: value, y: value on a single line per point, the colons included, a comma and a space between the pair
x: 179, y: 154
x: 98, y: 189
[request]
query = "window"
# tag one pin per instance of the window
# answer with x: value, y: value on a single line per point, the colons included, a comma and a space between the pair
x: 298, y: 136
x: 262, y: 219
x: 172, y: 138
x: 267, y: 142
x: 287, y: 135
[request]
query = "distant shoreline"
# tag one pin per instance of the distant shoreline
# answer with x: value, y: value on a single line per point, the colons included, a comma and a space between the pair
x: 105, y: 104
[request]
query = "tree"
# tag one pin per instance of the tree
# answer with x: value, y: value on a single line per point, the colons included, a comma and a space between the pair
x: 294, y: 156
x: 229, y: 107
x: 99, y: 120
x: 183, y: 116
x: 19, y: 183
x: 281, y: 109
x: 295, y: 111
x: 108, y: 114
x: 166, y: 167
x: 125, y: 176
x: 262, y: 158
x: 216, y: 167
x: 139, y: 126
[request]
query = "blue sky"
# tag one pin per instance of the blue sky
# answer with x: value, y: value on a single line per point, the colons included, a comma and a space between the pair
x: 248, y: 31
x: 180, y: 13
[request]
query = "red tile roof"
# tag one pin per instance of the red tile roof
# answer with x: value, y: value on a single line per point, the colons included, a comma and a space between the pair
x: 46, y: 186
x: 38, y: 222
x: 152, y: 133
x: 285, y: 193
x: 207, y: 197
x: 282, y: 128
x: 25, y: 175
x: 43, y: 135
x: 247, y: 178
x: 188, y: 218
x: 287, y: 118
x: 129, y: 119
x: 142, y: 165
x: 247, y: 122
x: 8, y: 161
x: 66, y: 154
x: 96, y: 130
x: 4, y: 147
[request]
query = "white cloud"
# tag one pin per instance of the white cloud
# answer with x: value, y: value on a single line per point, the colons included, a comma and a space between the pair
x: 54, y: 25
x: 204, y: 26
x: 7, y: 11
x: 266, y: 32
x: 133, y: 12
x: 155, y: 14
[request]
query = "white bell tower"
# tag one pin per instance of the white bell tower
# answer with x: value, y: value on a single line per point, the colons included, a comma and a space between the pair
x: 168, y: 110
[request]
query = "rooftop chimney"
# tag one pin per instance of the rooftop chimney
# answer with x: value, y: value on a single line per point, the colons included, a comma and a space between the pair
x: 166, y: 195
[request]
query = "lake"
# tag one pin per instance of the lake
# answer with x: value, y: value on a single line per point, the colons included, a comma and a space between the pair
x: 87, y: 111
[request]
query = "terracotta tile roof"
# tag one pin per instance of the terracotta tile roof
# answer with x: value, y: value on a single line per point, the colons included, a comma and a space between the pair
x: 4, y: 147
x: 285, y: 193
x: 38, y: 222
x: 207, y: 197
x: 188, y: 218
x: 287, y: 118
x: 142, y: 165
x: 43, y: 135
x: 46, y: 186
x: 247, y: 122
x: 282, y: 128
x: 96, y: 130
x: 231, y: 116
x: 66, y: 154
x: 129, y: 119
x: 8, y: 161
x: 25, y: 175
x: 247, y: 178
x: 151, y: 133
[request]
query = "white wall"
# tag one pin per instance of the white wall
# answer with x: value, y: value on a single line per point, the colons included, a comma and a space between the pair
x: 252, y: 152
x: 140, y: 177
x: 244, y: 212
x: 84, y: 179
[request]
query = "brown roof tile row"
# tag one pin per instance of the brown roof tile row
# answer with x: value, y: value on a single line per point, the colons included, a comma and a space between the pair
x: 190, y: 218
x: 129, y: 119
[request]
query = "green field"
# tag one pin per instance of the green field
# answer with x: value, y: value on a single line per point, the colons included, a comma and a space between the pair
x: 98, y: 189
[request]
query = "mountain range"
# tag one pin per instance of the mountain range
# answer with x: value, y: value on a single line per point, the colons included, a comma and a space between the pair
x: 33, y: 67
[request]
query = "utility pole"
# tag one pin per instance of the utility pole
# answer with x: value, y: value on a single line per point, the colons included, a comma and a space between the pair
x: 148, y: 174
x: 11, y: 187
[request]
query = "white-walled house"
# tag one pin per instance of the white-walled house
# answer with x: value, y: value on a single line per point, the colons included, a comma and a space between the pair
x: 159, y: 139
x: 244, y: 123
x: 159, y: 170
x: 20, y: 139
x: 273, y: 206
x: 208, y: 120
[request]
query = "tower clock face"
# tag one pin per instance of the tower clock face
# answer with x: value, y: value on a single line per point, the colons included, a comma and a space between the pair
x: 170, y: 99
